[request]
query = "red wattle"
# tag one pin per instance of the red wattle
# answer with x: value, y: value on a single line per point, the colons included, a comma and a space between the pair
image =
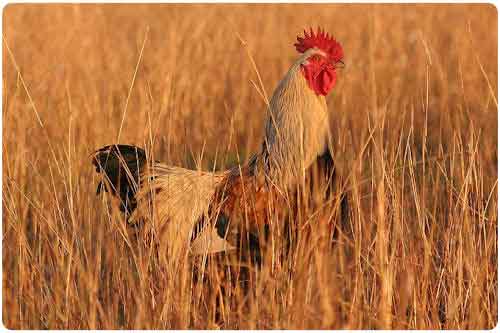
x: 321, y: 79
x: 325, y: 81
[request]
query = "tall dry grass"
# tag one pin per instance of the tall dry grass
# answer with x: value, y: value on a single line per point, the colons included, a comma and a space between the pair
x: 414, y: 117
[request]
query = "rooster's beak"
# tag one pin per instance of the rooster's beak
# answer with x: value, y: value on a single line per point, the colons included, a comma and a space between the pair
x: 339, y: 64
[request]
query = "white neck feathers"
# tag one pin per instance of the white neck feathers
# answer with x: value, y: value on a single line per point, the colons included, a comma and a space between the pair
x: 297, y: 127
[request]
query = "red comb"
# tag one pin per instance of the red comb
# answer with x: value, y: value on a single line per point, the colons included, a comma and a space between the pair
x: 322, y: 41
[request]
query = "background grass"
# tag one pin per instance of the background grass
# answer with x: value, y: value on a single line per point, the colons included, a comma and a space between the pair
x: 414, y: 117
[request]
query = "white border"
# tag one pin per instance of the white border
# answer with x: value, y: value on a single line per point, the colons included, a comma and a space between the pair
x: 4, y: 3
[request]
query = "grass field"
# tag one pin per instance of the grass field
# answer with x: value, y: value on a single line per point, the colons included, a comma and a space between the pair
x: 414, y: 117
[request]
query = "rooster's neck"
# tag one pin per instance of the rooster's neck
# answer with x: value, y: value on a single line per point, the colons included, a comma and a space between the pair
x: 297, y: 128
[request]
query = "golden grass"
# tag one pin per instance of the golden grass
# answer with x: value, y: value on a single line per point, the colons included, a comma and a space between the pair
x: 415, y: 122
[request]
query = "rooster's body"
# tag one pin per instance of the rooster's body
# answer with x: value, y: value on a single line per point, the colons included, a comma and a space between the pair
x: 195, y: 209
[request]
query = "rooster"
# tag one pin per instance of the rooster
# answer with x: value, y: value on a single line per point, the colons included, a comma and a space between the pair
x: 194, y: 209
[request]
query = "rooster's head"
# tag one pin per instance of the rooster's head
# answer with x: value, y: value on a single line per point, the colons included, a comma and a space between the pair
x: 324, y: 57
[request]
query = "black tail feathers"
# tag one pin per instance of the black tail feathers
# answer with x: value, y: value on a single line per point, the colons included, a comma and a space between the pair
x: 121, y: 167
